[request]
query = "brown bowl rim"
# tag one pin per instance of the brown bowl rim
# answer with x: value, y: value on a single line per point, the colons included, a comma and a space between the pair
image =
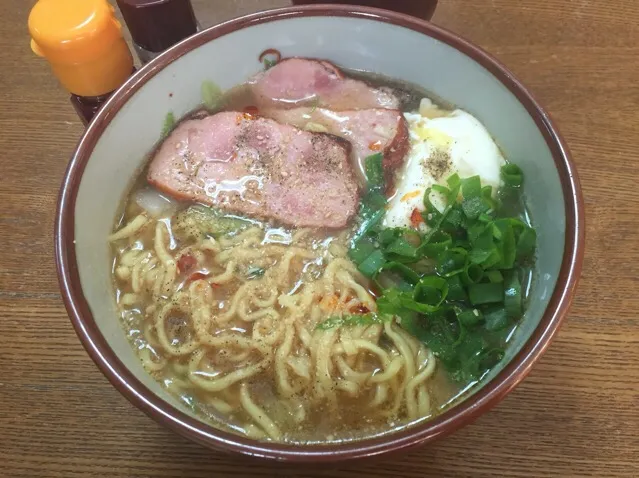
x: 449, y: 421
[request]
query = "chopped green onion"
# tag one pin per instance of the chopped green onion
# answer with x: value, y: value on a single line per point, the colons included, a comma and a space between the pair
x: 388, y: 235
x: 452, y: 262
x: 526, y: 242
x: 494, y: 276
x: 401, y: 247
x: 396, y: 275
x: 456, y: 288
x: 496, y: 318
x: 361, y: 250
x: 254, y: 272
x: 431, y: 291
x: 168, y: 125
x: 486, y: 293
x: 374, y: 171
x: 211, y: 94
x: 512, y: 175
x: 268, y: 64
x: 512, y: 296
x: 470, y: 317
x: 471, y: 187
x: 472, y: 273
x: 507, y: 243
x: 353, y: 320
x: 439, y: 242
x: 372, y: 263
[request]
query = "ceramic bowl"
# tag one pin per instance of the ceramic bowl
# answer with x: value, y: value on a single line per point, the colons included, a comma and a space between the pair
x: 114, y: 147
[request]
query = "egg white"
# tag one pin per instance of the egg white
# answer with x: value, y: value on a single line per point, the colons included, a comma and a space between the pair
x: 441, y: 145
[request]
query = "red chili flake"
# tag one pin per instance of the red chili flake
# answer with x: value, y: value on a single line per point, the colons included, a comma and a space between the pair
x: 375, y: 145
x: 197, y: 276
x: 359, y: 309
x: 416, y: 218
x: 186, y: 263
x: 251, y: 110
x: 214, y: 285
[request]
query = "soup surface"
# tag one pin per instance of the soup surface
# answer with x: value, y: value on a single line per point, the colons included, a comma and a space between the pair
x: 315, y: 258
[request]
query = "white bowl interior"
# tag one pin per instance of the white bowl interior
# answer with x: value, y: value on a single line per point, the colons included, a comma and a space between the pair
x: 354, y: 43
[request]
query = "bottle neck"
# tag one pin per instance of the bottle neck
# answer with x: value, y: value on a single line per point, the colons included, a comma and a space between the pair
x: 87, y: 107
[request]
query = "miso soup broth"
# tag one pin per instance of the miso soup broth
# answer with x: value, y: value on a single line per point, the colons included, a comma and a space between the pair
x: 280, y: 310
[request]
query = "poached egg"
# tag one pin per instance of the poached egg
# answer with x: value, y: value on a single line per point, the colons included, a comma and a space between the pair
x: 442, y: 143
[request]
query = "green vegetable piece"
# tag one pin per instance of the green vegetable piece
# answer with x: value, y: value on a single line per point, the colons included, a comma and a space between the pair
x: 374, y: 171
x: 454, y: 219
x: 486, y: 293
x: 469, y: 317
x: 268, y: 64
x: 472, y: 273
x: 353, y: 320
x: 526, y: 243
x: 473, y: 207
x: 471, y: 187
x: 442, y: 190
x: 168, y: 125
x: 372, y: 207
x: 211, y: 94
x: 254, y: 272
x: 387, y: 236
x: 507, y: 243
x: 361, y: 250
x: 431, y: 213
x: 401, y: 247
x: 454, y: 184
x: 474, y: 202
x: 371, y: 265
x: 369, y: 223
x: 197, y: 222
x: 489, y: 358
x: 494, y: 276
x: 512, y: 296
x: 456, y: 289
x: 439, y: 242
x: 452, y: 262
x: 495, y: 318
x: 430, y: 292
x: 487, y: 197
x: 391, y: 303
x: 374, y: 200
x: 396, y: 274
x: 511, y: 175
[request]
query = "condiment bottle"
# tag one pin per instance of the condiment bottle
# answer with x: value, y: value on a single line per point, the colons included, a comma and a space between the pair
x: 83, y: 43
x: 418, y: 8
x: 156, y: 25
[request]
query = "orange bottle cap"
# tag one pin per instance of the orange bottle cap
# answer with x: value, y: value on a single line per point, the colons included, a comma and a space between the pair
x: 83, y: 42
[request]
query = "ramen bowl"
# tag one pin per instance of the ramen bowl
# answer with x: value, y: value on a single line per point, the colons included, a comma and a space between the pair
x: 115, y: 145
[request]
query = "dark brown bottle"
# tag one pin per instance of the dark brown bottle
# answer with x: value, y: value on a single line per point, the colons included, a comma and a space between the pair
x: 156, y: 25
x: 417, y: 8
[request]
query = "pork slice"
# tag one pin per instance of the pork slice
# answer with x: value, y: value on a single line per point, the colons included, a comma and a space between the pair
x: 369, y: 131
x: 257, y: 167
x: 297, y: 82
